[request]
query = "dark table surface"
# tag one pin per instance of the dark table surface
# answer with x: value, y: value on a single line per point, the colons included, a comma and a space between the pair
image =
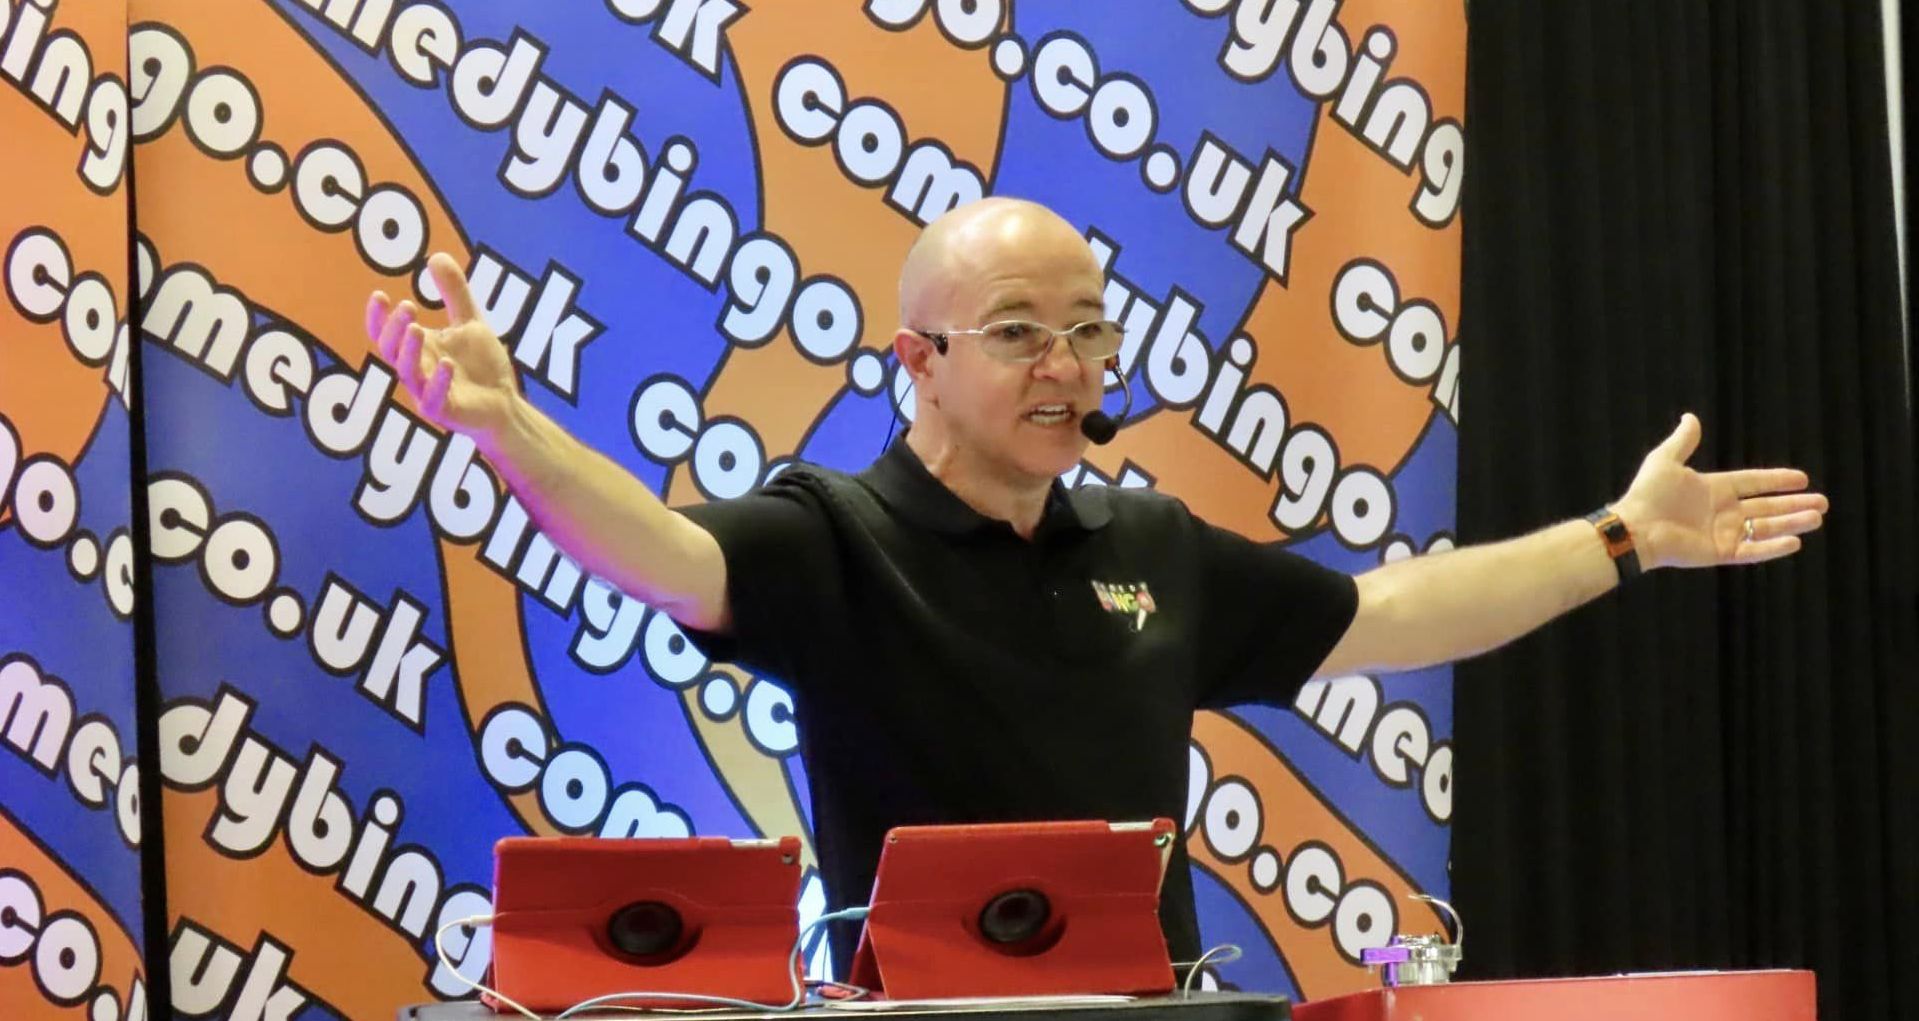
x: 1200, y: 1006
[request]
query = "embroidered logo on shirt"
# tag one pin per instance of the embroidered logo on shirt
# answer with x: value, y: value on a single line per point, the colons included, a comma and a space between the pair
x: 1134, y: 601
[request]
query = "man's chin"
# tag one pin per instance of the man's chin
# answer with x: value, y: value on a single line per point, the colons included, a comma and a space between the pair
x: 1054, y: 454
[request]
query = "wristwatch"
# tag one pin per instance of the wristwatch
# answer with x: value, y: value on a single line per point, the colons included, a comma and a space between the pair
x: 1619, y: 545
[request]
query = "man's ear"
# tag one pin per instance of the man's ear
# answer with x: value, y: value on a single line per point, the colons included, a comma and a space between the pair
x: 915, y: 354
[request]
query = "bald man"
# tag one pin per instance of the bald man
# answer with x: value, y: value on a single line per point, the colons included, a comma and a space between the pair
x: 965, y: 639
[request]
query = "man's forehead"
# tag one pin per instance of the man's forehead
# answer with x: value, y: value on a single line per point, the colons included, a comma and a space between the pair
x: 1022, y: 304
x: 1002, y: 258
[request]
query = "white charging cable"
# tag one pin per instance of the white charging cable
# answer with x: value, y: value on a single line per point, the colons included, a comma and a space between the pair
x: 1226, y: 953
x: 439, y: 947
x: 611, y: 999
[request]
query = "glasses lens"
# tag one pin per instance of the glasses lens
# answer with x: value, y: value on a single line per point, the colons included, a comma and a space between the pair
x: 1015, y: 340
x: 1097, y: 340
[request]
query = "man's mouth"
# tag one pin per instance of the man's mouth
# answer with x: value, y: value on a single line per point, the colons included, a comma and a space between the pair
x: 1051, y: 414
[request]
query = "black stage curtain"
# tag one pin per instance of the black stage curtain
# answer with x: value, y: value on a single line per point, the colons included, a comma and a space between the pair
x: 1687, y: 206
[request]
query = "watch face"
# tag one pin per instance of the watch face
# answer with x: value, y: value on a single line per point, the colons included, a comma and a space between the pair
x: 1613, y: 530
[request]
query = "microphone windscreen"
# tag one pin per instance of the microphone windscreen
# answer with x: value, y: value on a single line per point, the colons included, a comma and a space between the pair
x: 1099, y: 427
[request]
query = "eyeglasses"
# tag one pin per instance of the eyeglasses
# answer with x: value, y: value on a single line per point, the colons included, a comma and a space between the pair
x: 1019, y: 340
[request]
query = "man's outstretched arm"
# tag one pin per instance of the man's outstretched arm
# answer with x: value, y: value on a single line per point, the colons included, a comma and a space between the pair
x: 602, y: 516
x: 1436, y: 609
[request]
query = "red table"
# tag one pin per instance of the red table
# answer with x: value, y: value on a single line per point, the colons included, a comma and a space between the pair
x: 1691, y: 996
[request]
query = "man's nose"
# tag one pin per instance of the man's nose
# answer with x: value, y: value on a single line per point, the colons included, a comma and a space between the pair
x: 1059, y: 361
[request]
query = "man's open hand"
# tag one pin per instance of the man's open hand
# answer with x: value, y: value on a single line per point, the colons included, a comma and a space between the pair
x: 1684, y: 518
x: 460, y: 377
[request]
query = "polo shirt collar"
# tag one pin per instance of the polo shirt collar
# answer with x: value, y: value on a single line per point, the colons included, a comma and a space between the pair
x: 903, y: 481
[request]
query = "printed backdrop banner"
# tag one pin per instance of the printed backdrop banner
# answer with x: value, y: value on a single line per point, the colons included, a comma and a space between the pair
x: 685, y: 218
x: 70, y: 860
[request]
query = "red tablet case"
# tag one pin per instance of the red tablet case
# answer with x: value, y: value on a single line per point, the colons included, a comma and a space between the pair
x: 553, y: 898
x: 923, y: 937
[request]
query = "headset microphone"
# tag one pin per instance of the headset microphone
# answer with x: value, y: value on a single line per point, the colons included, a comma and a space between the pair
x: 1097, y: 425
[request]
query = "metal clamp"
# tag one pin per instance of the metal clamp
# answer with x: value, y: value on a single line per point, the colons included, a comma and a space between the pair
x: 1419, y: 960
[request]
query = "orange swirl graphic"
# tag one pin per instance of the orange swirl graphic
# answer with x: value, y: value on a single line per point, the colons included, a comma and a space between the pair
x: 60, y: 891
x: 1360, y: 209
x: 52, y: 399
x: 1292, y: 812
x: 200, y: 210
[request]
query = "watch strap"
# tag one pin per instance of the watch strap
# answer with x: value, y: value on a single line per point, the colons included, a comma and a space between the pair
x: 1619, y: 543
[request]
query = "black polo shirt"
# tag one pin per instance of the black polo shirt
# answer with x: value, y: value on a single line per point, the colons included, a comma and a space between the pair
x: 945, y: 670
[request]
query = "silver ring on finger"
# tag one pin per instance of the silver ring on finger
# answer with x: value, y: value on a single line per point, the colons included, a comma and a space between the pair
x: 1748, y: 534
